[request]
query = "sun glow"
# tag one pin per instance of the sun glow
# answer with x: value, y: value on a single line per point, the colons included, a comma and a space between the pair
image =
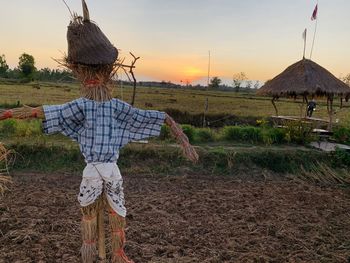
x: 192, y: 73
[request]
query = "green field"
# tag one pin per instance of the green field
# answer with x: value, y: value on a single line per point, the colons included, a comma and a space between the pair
x: 192, y: 101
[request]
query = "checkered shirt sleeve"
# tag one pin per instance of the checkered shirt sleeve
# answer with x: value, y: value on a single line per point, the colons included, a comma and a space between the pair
x: 140, y: 124
x: 145, y: 124
x: 67, y: 119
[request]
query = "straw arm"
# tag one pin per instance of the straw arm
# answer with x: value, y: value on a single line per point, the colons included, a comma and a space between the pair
x: 182, y: 139
x: 24, y: 112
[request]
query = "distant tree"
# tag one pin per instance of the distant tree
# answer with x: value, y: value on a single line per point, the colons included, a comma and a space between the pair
x: 3, y: 66
x: 257, y: 85
x: 215, y: 83
x: 47, y: 74
x: 44, y: 74
x: 26, y: 65
x: 346, y: 79
x: 13, y: 74
x: 238, y: 80
x: 249, y: 84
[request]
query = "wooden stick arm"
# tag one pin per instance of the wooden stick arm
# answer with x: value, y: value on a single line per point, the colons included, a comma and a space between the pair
x: 182, y: 139
x: 24, y: 112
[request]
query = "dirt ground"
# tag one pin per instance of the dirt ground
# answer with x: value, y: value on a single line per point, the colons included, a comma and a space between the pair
x: 182, y: 219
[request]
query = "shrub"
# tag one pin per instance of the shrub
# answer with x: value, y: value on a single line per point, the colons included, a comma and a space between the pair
x: 8, y: 127
x: 251, y: 134
x: 165, y: 133
x: 189, y: 131
x: 232, y: 133
x: 20, y: 128
x: 272, y: 136
x: 204, y: 135
x: 342, y: 134
x: 246, y: 133
x: 299, y: 132
x: 341, y: 158
x: 28, y: 128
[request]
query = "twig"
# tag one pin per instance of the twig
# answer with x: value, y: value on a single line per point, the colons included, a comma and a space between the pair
x: 133, y: 77
x: 68, y: 9
x: 126, y: 73
x: 125, y: 66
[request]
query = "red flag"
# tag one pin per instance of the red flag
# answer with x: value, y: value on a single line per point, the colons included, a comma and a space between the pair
x: 314, y: 14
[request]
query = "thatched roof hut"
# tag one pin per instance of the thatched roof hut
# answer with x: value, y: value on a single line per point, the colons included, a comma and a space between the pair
x: 306, y: 78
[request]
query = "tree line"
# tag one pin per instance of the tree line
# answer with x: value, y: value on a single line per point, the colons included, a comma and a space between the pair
x: 240, y: 82
x: 26, y: 71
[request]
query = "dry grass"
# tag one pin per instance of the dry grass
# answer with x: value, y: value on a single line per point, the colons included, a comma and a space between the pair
x: 192, y: 101
x: 323, y: 174
x: 4, y: 179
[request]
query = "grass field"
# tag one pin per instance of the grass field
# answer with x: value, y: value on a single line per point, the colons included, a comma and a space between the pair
x: 193, y: 101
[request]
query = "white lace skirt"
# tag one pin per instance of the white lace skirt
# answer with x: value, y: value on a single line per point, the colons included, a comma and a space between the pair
x: 99, y: 177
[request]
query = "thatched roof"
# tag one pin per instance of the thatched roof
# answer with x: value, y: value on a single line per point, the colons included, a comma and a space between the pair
x: 305, y: 78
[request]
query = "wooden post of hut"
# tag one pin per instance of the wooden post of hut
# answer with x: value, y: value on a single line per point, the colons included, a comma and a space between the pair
x: 274, y: 104
x: 330, y: 111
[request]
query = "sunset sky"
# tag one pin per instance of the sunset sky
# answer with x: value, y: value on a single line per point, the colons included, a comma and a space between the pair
x: 258, y: 37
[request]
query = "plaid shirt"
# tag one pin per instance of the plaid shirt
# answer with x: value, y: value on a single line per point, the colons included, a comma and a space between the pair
x: 102, y: 128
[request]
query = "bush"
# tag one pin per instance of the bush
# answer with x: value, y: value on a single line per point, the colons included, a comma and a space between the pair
x: 341, y: 158
x: 20, y: 128
x: 204, y: 135
x: 165, y: 133
x: 251, y: 134
x: 342, y: 134
x: 232, y: 133
x: 272, y: 136
x: 8, y: 127
x: 189, y: 131
x: 299, y: 132
x: 28, y: 128
x: 246, y: 134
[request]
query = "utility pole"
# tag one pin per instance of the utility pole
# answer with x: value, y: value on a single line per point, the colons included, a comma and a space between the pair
x: 206, y: 106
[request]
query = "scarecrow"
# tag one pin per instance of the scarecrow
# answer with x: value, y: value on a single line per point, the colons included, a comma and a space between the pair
x: 101, y: 125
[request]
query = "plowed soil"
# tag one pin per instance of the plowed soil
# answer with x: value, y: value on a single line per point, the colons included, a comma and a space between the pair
x: 189, y: 218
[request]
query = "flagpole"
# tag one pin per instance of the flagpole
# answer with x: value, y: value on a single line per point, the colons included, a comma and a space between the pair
x: 305, y: 34
x: 313, y: 41
x: 209, y: 69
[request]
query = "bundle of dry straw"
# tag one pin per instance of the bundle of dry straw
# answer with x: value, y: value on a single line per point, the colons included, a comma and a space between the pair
x: 4, y: 178
x: 95, y: 80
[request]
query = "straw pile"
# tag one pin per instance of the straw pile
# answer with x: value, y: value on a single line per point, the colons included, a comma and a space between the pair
x: 4, y: 179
